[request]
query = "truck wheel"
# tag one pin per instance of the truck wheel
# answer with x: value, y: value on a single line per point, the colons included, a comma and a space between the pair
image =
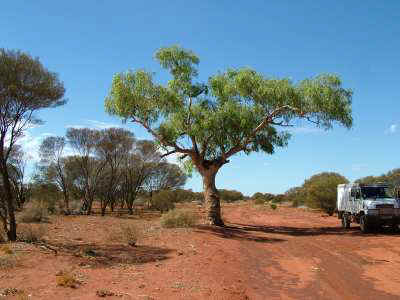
x: 364, y: 226
x: 345, y: 221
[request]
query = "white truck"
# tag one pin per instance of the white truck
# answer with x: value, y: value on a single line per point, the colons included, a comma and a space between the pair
x: 371, y: 206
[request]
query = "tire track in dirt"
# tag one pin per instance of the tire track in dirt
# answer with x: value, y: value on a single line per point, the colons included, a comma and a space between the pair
x: 304, y: 266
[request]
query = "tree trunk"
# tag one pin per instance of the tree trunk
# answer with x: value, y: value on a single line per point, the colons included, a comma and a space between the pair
x: 12, y: 230
x: 66, y: 201
x: 211, y: 199
x: 112, y: 204
x: 103, y: 210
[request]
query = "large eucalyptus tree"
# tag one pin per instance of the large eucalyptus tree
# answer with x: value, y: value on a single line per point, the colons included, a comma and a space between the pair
x: 237, y: 110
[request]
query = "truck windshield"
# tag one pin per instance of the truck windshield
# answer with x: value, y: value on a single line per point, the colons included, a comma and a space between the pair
x: 375, y: 192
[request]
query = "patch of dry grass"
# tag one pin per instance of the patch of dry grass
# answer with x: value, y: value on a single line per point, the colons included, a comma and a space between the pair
x: 178, y: 218
x: 34, y: 212
x: 67, y: 279
x: 30, y: 233
x: 126, y: 234
x: 8, y: 261
x: 6, y: 249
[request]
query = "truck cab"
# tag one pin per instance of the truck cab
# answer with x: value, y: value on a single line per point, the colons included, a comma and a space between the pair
x: 371, y: 206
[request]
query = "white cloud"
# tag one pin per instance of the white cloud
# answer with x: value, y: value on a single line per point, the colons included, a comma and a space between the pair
x: 102, y: 125
x: 392, y: 129
x: 30, y: 145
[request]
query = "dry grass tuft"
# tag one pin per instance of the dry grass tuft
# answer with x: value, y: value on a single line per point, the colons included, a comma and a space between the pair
x: 104, y: 293
x: 67, y: 279
x: 8, y: 261
x: 6, y: 249
x: 178, y: 218
x: 34, y: 212
x: 29, y: 233
x: 125, y: 234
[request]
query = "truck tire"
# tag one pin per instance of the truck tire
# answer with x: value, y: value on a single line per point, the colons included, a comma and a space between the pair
x: 345, y: 221
x: 364, y: 226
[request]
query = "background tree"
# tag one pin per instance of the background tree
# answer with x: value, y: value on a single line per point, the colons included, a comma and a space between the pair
x: 53, y: 165
x: 17, y: 165
x: 230, y: 195
x: 237, y: 110
x: 85, y: 142
x: 137, y: 168
x: 113, y: 148
x: 391, y: 178
x: 164, y: 176
x: 26, y: 86
x: 321, y: 190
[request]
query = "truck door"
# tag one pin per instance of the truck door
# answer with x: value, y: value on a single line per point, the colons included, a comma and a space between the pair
x: 355, y: 200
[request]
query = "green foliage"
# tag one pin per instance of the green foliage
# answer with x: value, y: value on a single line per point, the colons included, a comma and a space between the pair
x: 296, y: 195
x: 392, y: 178
x: 230, y: 195
x: 164, y: 200
x: 178, y: 218
x: 183, y: 195
x: 273, y: 206
x: 321, y: 190
x: 278, y: 198
x: 262, y: 198
x: 46, y: 195
x: 238, y: 110
x: 259, y: 201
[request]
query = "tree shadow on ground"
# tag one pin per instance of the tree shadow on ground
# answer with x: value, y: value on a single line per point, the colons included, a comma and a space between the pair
x: 95, y: 255
x: 236, y: 233
x: 309, y: 231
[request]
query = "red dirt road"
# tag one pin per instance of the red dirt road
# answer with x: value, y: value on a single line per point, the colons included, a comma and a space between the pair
x: 262, y: 254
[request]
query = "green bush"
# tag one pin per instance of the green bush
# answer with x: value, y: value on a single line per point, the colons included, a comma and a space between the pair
x: 178, y: 218
x: 34, y: 212
x: 273, y: 206
x: 259, y: 201
x: 321, y: 190
x: 163, y: 201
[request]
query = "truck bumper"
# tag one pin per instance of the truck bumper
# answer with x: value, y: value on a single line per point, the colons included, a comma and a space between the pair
x: 384, y: 220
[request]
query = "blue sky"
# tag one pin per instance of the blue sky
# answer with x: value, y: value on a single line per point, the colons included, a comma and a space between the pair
x: 86, y: 42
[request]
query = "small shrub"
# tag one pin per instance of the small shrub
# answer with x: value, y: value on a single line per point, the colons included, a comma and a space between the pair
x: 30, y: 234
x: 178, y: 218
x: 34, y: 212
x: 8, y: 261
x: 273, y: 206
x: 126, y: 234
x: 6, y: 249
x: 67, y: 279
x: 259, y: 201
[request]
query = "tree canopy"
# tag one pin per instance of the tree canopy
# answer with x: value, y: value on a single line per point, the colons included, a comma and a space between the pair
x: 236, y: 110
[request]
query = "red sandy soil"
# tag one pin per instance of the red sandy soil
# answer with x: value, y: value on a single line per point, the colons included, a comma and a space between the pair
x: 288, y: 253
